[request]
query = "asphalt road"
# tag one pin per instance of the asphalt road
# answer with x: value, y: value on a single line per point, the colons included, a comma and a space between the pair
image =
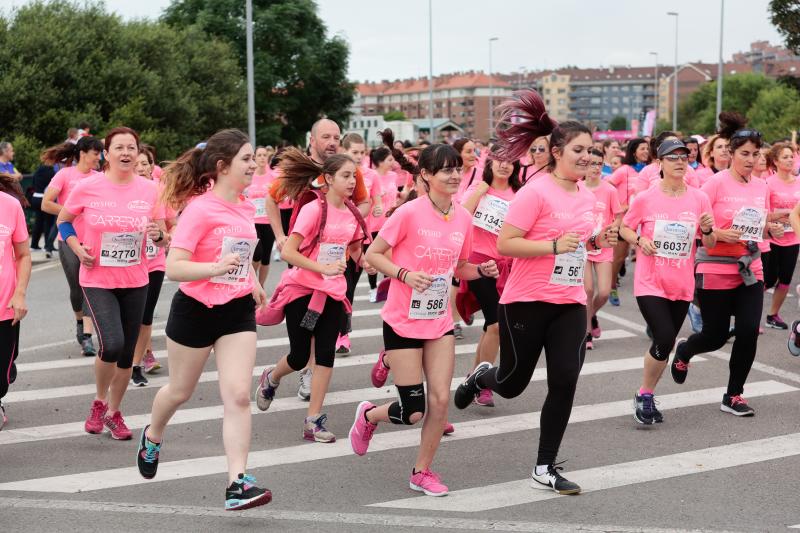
x: 699, y: 470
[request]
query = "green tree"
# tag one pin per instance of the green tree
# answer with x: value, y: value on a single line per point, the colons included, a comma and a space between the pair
x: 300, y: 73
x: 62, y: 63
x: 394, y: 115
x: 618, y: 123
x: 776, y: 112
x: 785, y: 15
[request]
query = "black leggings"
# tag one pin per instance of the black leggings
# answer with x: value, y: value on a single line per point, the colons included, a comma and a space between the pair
x: 329, y: 325
x: 780, y: 267
x: 266, y: 238
x: 9, y: 349
x: 717, y: 307
x: 43, y: 225
x: 153, y: 291
x: 526, y: 328
x: 117, y: 316
x: 352, y: 275
x: 485, y: 291
x: 72, y: 265
x: 286, y: 217
x: 373, y: 278
x: 665, y: 318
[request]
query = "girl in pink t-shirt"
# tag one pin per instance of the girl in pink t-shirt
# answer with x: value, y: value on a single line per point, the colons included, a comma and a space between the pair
x: 548, y: 229
x: 663, y: 223
x: 119, y: 212
x: 143, y: 359
x: 784, y: 194
x: 488, y: 201
x: 539, y: 160
x: 384, y: 197
x: 598, y: 263
x: 85, y: 154
x: 15, y: 272
x: 315, y: 287
x: 211, y: 255
x: 471, y: 172
x: 729, y: 275
x: 257, y: 194
x: 421, y: 247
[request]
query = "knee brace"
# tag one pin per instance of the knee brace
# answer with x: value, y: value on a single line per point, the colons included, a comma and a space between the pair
x: 660, y: 351
x: 412, y: 400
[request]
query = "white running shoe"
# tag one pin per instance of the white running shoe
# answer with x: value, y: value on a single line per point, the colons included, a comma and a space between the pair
x: 304, y: 387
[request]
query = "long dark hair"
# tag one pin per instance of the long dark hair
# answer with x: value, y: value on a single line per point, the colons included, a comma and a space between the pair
x: 68, y: 152
x: 731, y: 127
x: 10, y: 186
x: 298, y: 170
x: 523, y: 120
x: 630, y: 151
x: 513, y: 179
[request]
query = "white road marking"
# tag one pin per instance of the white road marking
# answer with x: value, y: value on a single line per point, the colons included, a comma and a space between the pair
x: 304, y: 453
x: 48, y: 266
x: 520, y: 492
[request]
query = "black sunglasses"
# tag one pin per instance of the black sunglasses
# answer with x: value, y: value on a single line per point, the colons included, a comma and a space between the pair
x: 746, y: 134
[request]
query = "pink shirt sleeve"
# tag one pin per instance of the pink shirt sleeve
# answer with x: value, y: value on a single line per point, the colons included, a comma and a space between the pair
x: 466, y: 248
x: 524, y: 209
x: 75, y: 203
x: 394, y: 230
x: 21, y: 227
x: 57, y: 183
x: 633, y: 217
x: 191, y: 230
x: 307, y: 222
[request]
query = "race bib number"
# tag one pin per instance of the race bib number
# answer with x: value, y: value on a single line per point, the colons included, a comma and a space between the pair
x: 490, y: 214
x: 432, y: 303
x: 260, y: 205
x: 150, y: 249
x: 329, y: 253
x: 673, y: 239
x: 121, y: 249
x: 787, y: 228
x: 751, y: 222
x: 245, y: 248
x: 568, y: 268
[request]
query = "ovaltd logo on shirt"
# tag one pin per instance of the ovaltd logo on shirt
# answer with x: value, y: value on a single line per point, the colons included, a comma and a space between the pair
x: 140, y: 206
x: 4, y: 230
x: 457, y: 237
x: 102, y: 203
x: 679, y: 231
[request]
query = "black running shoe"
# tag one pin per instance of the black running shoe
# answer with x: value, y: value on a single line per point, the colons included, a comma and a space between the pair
x: 137, y: 377
x: 552, y: 479
x: 88, y: 346
x: 79, y: 332
x: 776, y: 322
x: 736, y: 405
x: 147, y: 456
x: 679, y: 367
x: 644, y: 406
x: 243, y: 494
x: 466, y: 392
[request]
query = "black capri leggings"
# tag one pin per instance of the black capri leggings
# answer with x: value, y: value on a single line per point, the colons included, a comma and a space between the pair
x: 717, y: 306
x: 9, y: 349
x: 780, y: 267
x: 266, y: 238
x: 665, y: 318
x: 526, y: 328
x: 153, y: 291
x: 286, y: 217
x: 117, y: 316
x: 329, y: 324
x: 373, y: 278
x: 71, y: 265
x: 485, y: 291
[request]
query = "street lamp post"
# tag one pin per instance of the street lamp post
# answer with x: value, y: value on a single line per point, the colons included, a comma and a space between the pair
x: 656, y: 84
x: 491, y: 88
x: 251, y: 92
x: 430, y: 71
x: 675, y: 74
x: 719, y: 67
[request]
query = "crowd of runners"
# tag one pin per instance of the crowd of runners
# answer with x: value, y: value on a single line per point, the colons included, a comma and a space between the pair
x: 535, y: 230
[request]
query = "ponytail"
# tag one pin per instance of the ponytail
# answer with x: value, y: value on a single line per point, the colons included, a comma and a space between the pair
x: 523, y: 120
x: 10, y: 186
x: 297, y: 170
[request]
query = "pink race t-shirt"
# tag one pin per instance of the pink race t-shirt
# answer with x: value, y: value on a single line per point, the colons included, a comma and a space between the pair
x: 383, y: 186
x: 728, y: 196
x: 257, y: 192
x: 606, y: 209
x: 703, y: 174
x: 484, y: 242
x: 205, y: 226
x: 545, y: 211
x: 667, y: 277
x: 624, y: 179
x: 340, y: 230
x: 422, y: 240
x: 115, y: 217
x: 63, y: 182
x: 468, y: 178
x: 157, y: 172
x: 651, y: 174
x: 784, y: 196
x: 13, y: 229
x: 157, y: 256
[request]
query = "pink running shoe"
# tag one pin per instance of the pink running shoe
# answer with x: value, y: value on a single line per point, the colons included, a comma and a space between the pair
x: 449, y: 429
x: 485, y: 398
x: 94, y: 422
x: 116, y: 424
x: 595, y: 331
x: 361, y: 432
x: 150, y: 363
x: 380, y: 372
x: 428, y: 482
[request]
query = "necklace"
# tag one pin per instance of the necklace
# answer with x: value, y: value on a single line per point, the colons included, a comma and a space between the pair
x: 673, y: 192
x: 445, y: 214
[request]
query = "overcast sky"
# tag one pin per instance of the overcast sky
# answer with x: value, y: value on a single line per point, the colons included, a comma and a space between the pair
x: 389, y: 39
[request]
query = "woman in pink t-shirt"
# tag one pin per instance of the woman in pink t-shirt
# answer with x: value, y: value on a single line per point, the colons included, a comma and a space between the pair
x: 422, y: 246
x: 119, y: 211
x: 784, y: 194
x: 470, y: 171
x: 730, y: 274
x: 716, y: 156
x: 548, y: 229
x: 313, y: 292
x: 598, y: 263
x: 256, y: 194
x: 211, y: 255
x: 384, y: 197
x: 488, y: 201
x: 143, y: 359
x: 15, y: 272
x: 85, y: 155
x: 663, y: 223
x: 540, y: 156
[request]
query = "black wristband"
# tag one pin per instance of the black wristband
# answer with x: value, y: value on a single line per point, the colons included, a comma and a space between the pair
x: 160, y: 236
x: 593, y: 242
x: 638, y: 238
x: 709, y: 231
x: 555, y: 246
x: 480, y: 272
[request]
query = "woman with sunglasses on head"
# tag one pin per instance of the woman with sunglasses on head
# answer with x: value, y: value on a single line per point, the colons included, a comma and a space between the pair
x: 548, y: 230
x: 663, y: 224
x: 422, y: 246
x: 598, y: 262
x: 730, y: 278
